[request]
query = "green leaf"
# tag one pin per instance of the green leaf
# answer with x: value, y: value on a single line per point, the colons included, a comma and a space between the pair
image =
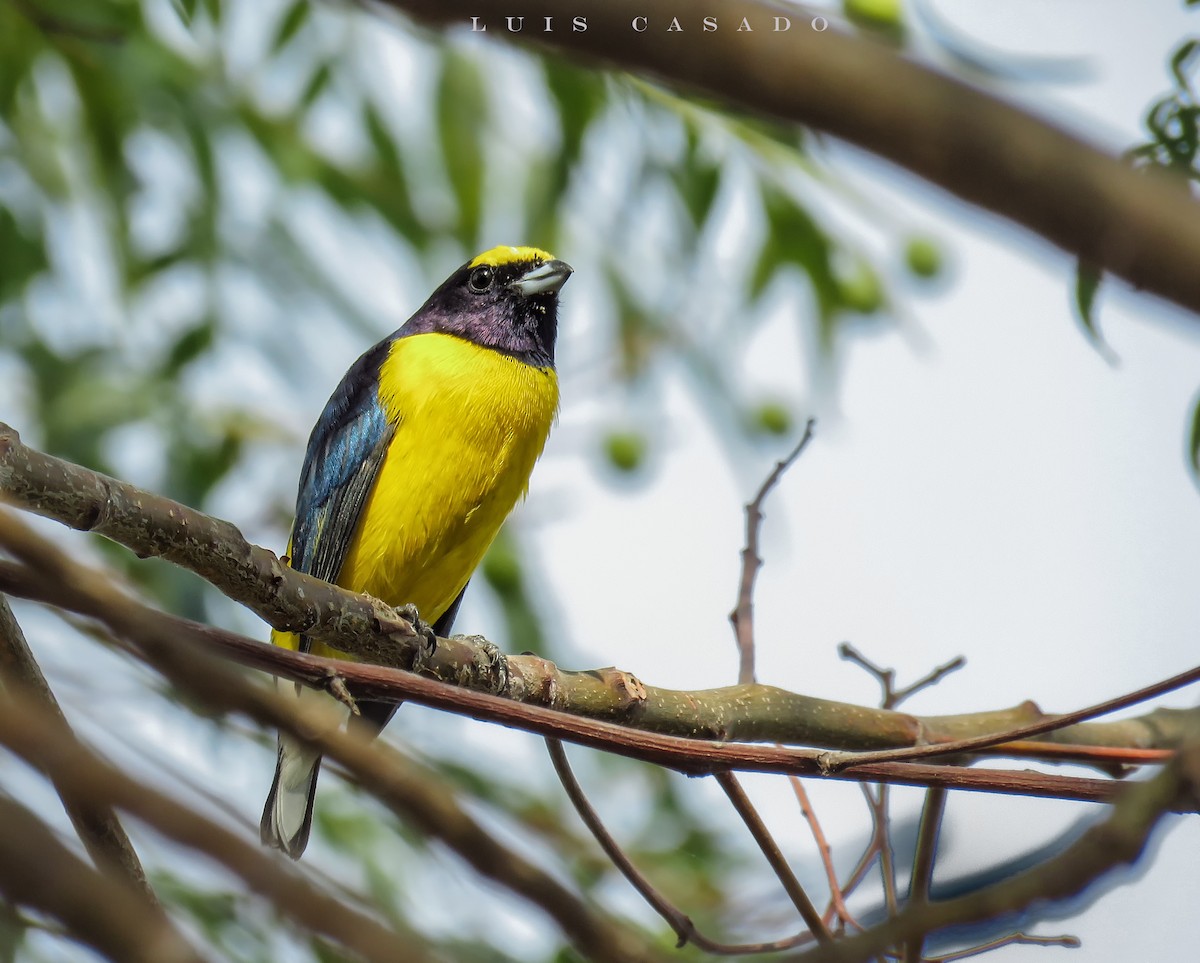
x: 188, y: 347
x: 290, y: 24
x: 317, y: 84
x: 1087, y: 283
x: 1179, y: 63
x: 461, y: 116
x: 1194, y: 441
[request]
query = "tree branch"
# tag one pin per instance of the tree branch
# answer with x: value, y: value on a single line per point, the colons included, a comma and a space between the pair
x: 149, y: 524
x: 1119, y: 839
x: 183, y: 658
x: 742, y: 616
x: 60, y: 755
x: 97, y: 825
x: 98, y: 909
x: 52, y: 577
x: 1145, y: 229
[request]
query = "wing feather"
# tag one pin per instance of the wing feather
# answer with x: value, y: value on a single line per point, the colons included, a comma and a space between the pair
x: 345, y: 451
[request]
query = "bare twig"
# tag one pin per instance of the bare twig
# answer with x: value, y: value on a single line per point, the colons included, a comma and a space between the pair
x: 1050, y: 724
x: 1119, y: 839
x: 877, y: 802
x: 836, y: 901
x: 98, y: 827
x: 1069, y: 942
x: 890, y: 696
x: 741, y: 802
x: 742, y: 616
x: 922, y: 872
x: 679, y: 921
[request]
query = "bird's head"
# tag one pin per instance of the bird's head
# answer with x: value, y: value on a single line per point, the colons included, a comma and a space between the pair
x: 505, y: 299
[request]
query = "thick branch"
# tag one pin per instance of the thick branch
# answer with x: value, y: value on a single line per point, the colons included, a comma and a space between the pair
x: 1143, y: 229
x: 75, y: 588
x: 81, y: 773
x: 108, y: 914
x: 149, y: 524
x: 383, y: 771
x: 97, y: 825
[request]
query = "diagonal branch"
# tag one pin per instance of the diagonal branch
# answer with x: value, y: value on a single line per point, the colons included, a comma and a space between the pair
x: 97, y: 825
x: 1145, y: 229
x: 770, y: 849
x: 24, y: 731
x: 149, y: 524
x: 103, y: 912
x: 54, y: 578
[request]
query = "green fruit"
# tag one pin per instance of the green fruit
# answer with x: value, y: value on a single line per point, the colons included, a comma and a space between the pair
x: 502, y: 568
x: 625, y: 450
x: 923, y: 257
x: 862, y: 291
x: 772, y: 418
x: 884, y: 15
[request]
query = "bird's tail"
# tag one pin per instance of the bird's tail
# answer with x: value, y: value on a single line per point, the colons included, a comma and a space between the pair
x: 287, y: 816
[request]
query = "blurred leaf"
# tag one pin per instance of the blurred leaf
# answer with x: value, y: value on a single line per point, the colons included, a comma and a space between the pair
x: 697, y: 181
x: 188, y: 347
x: 522, y: 620
x: 794, y: 238
x: 462, y: 113
x: 772, y: 418
x: 1087, y: 283
x: 1194, y: 441
x: 290, y: 24
x: 24, y: 256
x: 884, y: 17
x: 317, y: 84
x: 1180, y: 65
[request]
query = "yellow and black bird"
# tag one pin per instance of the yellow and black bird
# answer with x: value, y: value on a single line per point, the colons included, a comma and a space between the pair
x: 419, y: 456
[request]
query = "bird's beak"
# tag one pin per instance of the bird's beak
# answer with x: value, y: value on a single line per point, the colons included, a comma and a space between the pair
x: 544, y: 279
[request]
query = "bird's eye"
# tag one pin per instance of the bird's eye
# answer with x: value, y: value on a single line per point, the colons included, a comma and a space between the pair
x: 481, y: 279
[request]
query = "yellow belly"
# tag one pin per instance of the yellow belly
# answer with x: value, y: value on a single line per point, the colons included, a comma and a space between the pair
x: 471, y: 424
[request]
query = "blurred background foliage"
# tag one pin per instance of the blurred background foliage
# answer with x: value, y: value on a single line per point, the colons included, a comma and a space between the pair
x: 208, y: 206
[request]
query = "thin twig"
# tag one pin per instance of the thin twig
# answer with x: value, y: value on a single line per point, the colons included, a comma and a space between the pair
x: 878, y: 804
x: 679, y: 921
x: 1043, y: 726
x: 891, y: 697
x: 742, y: 616
x: 97, y: 825
x: 922, y: 871
x: 836, y: 900
x: 1069, y: 942
x: 741, y: 802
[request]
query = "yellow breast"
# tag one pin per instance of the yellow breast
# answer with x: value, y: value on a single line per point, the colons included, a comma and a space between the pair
x: 471, y: 422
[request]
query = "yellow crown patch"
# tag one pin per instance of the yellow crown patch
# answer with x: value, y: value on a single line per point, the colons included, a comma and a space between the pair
x: 504, y: 254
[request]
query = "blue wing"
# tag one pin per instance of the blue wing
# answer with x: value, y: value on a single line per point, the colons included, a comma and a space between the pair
x: 345, y: 451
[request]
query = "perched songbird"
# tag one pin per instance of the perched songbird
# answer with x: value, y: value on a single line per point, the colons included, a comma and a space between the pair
x: 417, y: 459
